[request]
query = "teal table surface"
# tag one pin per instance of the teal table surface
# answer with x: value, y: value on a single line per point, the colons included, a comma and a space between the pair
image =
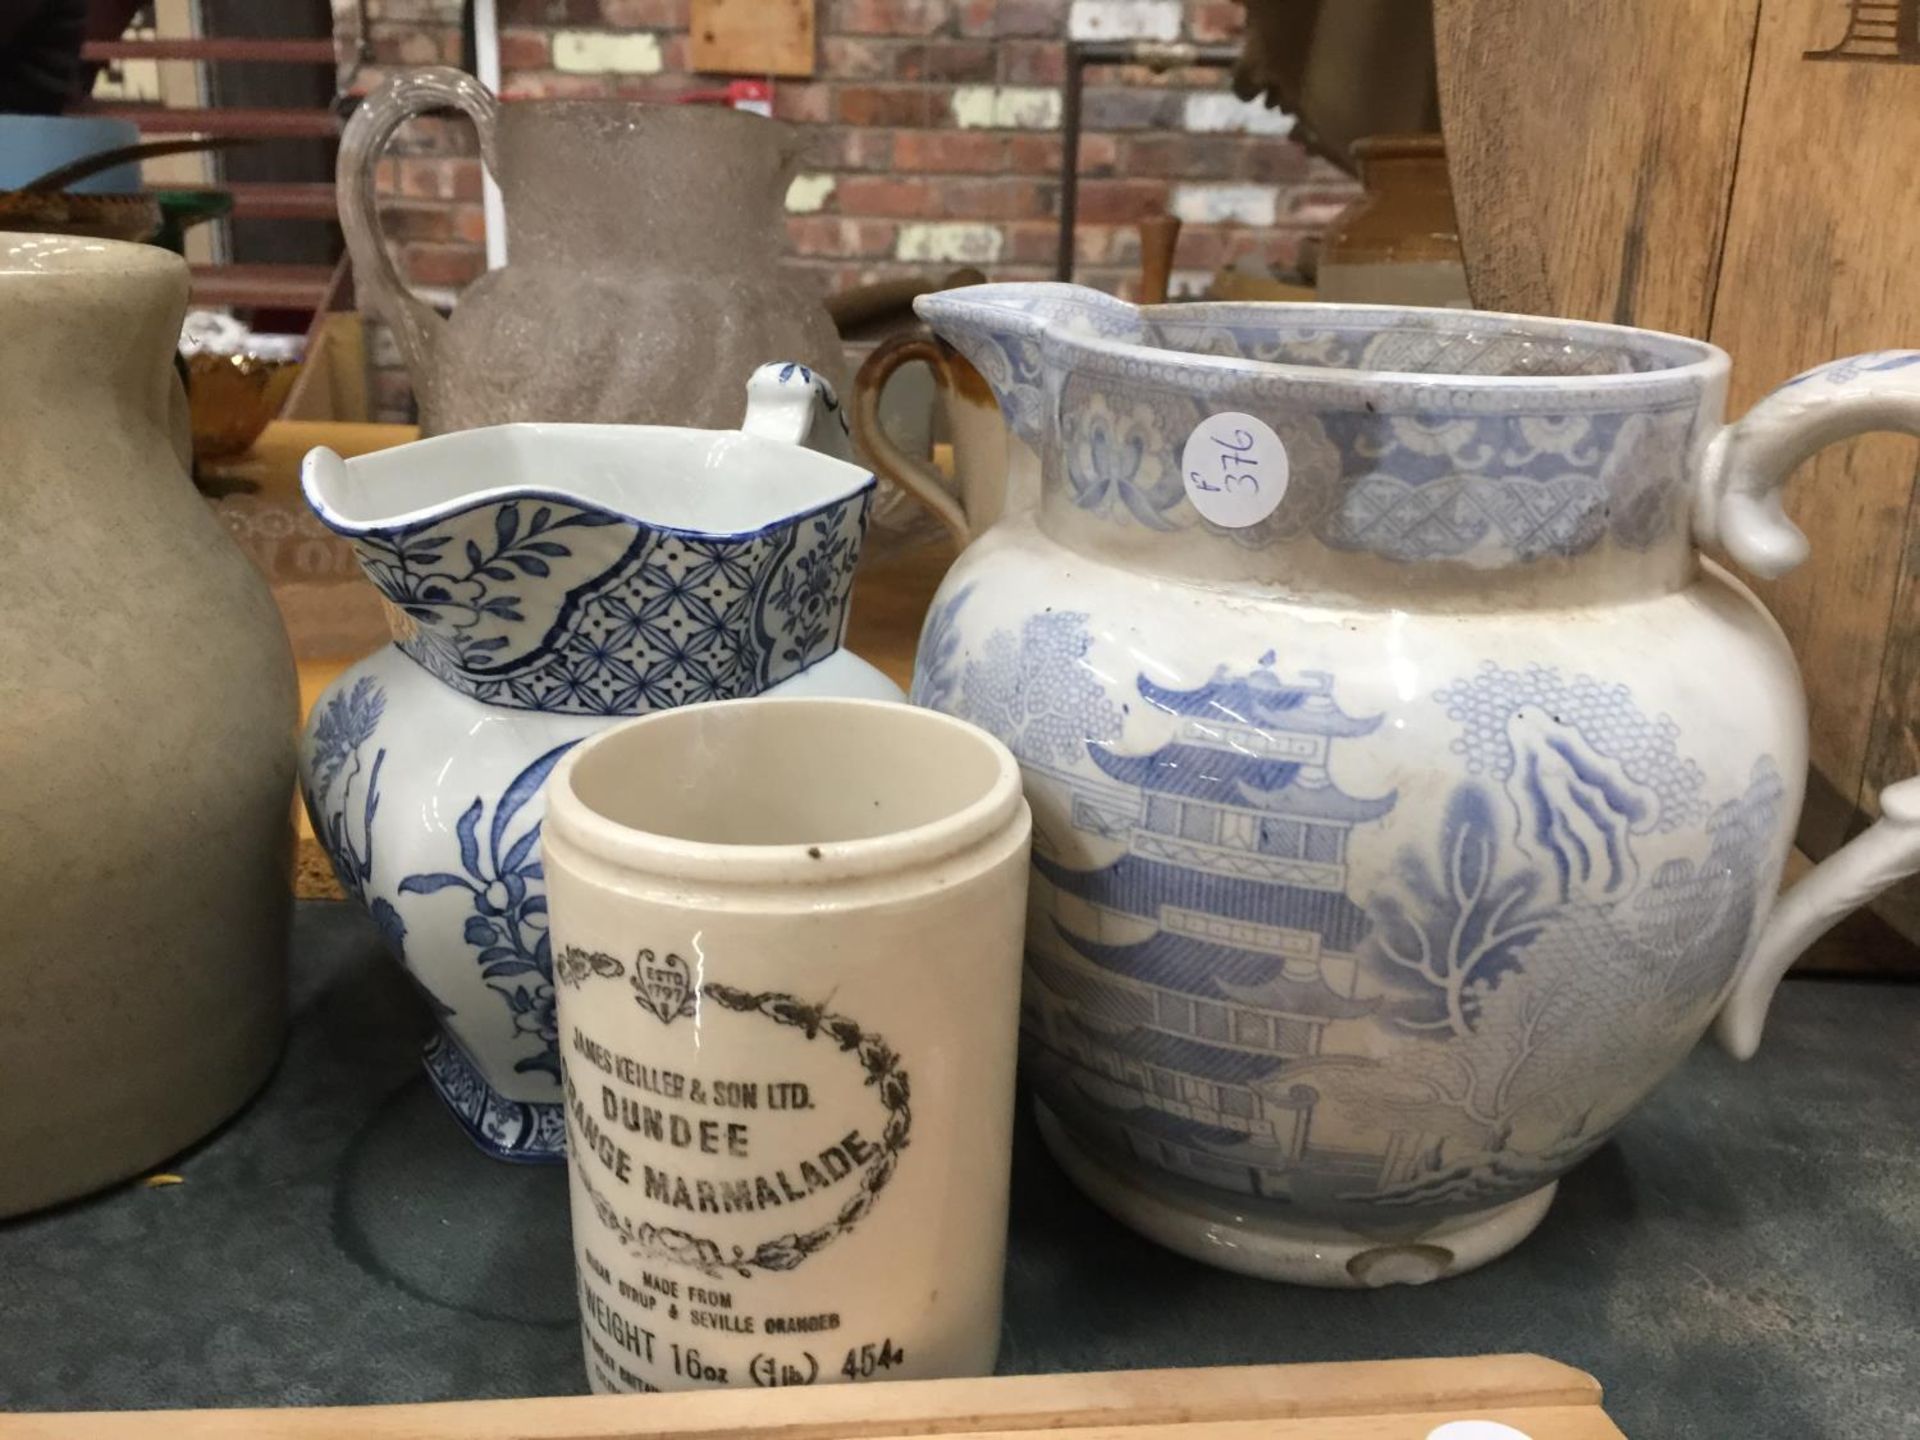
x: 1742, y: 1260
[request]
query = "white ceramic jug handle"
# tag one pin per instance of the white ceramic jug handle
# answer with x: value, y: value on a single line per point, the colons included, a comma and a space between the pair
x: 791, y: 403
x: 1738, y: 504
x: 1886, y: 854
x: 416, y: 325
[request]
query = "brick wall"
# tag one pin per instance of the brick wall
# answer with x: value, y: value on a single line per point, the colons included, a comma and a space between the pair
x: 933, y: 131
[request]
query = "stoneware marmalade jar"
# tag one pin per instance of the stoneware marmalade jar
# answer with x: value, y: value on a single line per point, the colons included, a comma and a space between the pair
x: 546, y: 580
x: 788, y: 935
x: 1409, y: 796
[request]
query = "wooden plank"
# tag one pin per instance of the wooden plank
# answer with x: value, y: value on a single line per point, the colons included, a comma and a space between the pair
x: 253, y: 124
x: 891, y: 595
x: 1608, y: 204
x: 1893, y: 743
x: 341, y: 346
x: 248, y: 49
x: 290, y: 287
x: 272, y: 199
x: 1820, y: 264
x: 1367, y: 1400
x: 1893, y: 746
x: 751, y: 37
x: 1592, y: 149
x: 1549, y: 1423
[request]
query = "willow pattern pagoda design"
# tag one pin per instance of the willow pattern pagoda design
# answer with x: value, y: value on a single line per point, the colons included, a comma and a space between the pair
x: 1263, y: 964
x: 1211, y: 955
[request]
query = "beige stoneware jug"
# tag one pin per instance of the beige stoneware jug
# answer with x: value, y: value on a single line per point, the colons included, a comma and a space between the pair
x: 147, y: 711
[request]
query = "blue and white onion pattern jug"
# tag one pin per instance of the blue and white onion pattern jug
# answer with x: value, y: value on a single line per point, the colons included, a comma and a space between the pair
x: 545, y: 581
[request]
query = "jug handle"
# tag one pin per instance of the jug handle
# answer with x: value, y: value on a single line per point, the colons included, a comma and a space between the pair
x: 792, y: 403
x: 417, y: 326
x: 915, y: 476
x: 1738, y: 504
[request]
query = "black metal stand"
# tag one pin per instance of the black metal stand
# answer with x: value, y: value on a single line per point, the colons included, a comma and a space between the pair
x: 1155, y: 55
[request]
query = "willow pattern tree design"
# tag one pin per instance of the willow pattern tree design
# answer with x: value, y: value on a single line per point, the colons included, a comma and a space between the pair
x: 1522, y: 990
x: 1459, y: 927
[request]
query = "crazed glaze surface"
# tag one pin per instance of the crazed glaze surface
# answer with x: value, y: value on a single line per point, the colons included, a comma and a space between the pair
x: 1389, y: 850
x: 1346, y: 913
x: 533, y: 610
x: 148, y: 701
x: 1443, y: 468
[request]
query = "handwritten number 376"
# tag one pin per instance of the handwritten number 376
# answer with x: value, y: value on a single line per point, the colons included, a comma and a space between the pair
x: 1237, y: 463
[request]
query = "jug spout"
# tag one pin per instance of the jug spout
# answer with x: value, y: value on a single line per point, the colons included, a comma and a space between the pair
x: 1002, y: 330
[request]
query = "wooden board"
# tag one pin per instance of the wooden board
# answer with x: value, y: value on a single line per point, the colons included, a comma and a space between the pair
x: 330, y: 611
x: 333, y: 379
x: 1368, y: 1400
x: 1591, y: 149
x: 751, y: 37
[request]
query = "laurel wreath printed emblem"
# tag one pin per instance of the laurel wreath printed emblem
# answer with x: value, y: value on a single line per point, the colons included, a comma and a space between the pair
x: 879, y: 1064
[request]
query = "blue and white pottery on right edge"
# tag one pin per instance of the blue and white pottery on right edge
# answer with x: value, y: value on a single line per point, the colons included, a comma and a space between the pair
x: 546, y: 581
x: 1409, y: 795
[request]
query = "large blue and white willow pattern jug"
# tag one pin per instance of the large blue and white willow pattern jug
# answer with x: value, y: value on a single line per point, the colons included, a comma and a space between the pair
x: 1409, y: 794
x: 545, y: 581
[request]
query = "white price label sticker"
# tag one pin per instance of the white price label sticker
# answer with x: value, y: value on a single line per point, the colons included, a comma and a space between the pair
x: 1476, y: 1430
x: 1235, y: 469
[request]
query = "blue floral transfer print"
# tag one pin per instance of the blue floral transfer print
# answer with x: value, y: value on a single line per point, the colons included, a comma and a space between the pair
x: 1451, y: 469
x: 1503, y: 488
x: 807, y: 593
x: 346, y: 726
x: 1457, y: 926
x: 936, y: 662
x: 553, y: 607
x: 465, y: 593
x: 508, y: 927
